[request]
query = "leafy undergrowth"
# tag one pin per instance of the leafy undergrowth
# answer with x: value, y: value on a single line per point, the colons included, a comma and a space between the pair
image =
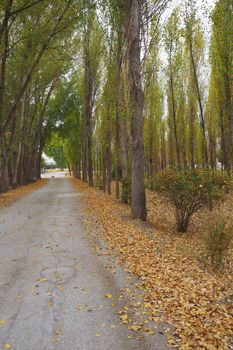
x: 11, y: 196
x: 175, y: 282
x: 161, y: 216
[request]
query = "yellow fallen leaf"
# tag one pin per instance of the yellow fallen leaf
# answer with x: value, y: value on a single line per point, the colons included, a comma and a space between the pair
x: 2, y: 322
x: 55, y: 340
x: 61, y: 288
x: 7, y: 346
x: 147, y: 306
x: 124, y: 318
x: 148, y: 331
x: 108, y: 296
x: 135, y: 327
x: 97, y: 334
x: 50, y: 303
x: 42, y: 279
x: 57, y: 331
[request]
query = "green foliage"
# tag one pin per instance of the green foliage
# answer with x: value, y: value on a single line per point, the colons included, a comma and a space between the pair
x: 55, y: 149
x: 189, y: 191
x: 217, y: 244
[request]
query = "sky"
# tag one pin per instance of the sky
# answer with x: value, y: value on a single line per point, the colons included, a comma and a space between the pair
x: 48, y: 160
x: 201, y: 4
x: 209, y: 3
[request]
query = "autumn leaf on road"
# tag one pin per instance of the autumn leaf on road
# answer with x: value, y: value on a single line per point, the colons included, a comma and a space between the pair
x: 7, y: 346
x: 42, y: 279
x: 108, y: 296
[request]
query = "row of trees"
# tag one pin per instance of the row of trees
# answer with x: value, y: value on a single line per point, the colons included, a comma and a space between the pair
x: 34, y: 36
x: 111, y: 98
x: 150, y: 96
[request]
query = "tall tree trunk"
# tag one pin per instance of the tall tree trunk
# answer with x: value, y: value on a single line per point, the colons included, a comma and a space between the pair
x: 175, y: 122
x: 138, y: 197
x: 224, y: 154
x: 104, y: 172
x: 118, y: 100
x: 117, y: 164
x: 84, y: 159
x: 4, y: 183
x: 203, y: 126
x: 88, y: 107
x: 228, y: 107
x: 109, y: 162
x: 124, y: 162
x: 192, y: 136
x: 17, y: 169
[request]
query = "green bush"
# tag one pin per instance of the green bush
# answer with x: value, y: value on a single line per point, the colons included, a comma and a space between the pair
x: 217, y: 244
x: 189, y: 191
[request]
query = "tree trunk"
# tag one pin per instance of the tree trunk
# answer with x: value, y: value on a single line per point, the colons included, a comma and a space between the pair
x: 118, y: 98
x: 175, y: 122
x: 109, y: 162
x: 192, y: 136
x: 4, y: 183
x: 88, y: 107
x: 229, y: 115
x: 224, y: 155
x: 138, y: 197
x: 84, y: 160
x: 203, y: 127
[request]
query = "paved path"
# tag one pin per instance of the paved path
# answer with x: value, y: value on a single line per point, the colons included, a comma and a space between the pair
x: 53, y: 284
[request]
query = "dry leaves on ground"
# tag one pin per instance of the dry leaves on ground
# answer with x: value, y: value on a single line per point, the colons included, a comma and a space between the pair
x: 196, y: 301
x: 11, y: 196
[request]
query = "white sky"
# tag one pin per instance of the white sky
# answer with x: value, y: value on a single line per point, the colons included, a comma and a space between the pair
x: 208, y: 3
x: 204, y: 7
x: 48, y: 160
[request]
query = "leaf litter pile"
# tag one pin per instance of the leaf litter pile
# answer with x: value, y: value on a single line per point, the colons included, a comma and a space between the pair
x: 11, y: 196
x: 177, y: 287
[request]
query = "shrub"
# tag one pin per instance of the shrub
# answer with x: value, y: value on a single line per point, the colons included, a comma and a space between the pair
x: 217, y: 244
x: 189, y: 191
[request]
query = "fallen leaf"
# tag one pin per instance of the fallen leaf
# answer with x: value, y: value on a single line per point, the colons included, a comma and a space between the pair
x: 60, y: 287
x: 135, y: 327
x: 55, y: 340
x: 50, y: 303
x: 42, y: 279
x: 58, y: 331
x: 124, y: 318
x: 7, y: 346
x: 108, y: 296
x: 148, y: 331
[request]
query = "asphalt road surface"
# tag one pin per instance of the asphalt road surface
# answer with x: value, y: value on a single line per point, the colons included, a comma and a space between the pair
x: 53, y: 284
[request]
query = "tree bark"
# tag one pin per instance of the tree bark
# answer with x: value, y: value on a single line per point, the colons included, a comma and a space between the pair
x: 203, y: 127
x: 175, y: 121
x: 138, y: 197
x: 88, y: 106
